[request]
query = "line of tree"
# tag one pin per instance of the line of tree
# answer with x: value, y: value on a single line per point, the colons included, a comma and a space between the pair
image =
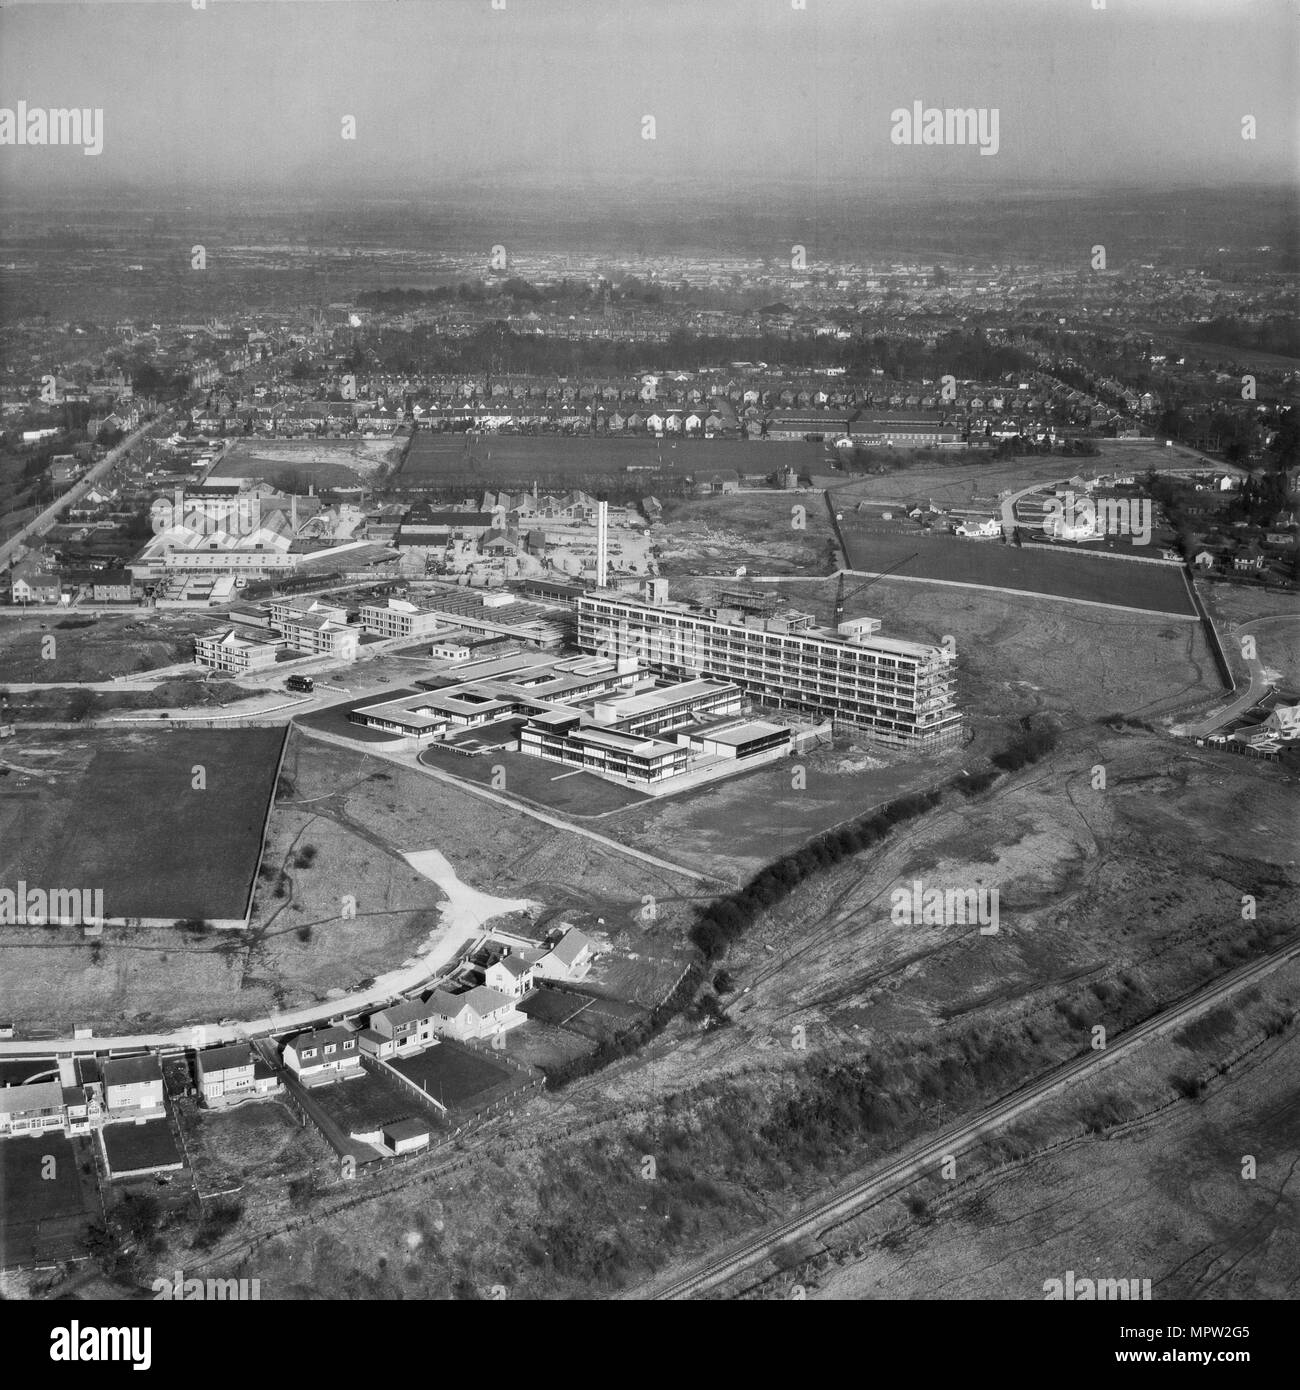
x: 728, y: 918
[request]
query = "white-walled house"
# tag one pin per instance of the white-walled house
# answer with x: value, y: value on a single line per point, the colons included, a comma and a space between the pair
x: 511, y: 975
x: 323, y: 1055
x: 478, y: 1013
x: 569, y: 959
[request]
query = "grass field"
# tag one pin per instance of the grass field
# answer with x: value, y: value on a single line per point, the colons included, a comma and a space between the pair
x: 547, y: 784
x: 446, y: 460
x: 137, y: 824
x: 366, y: 1103
x: 324, y: 462
x: 459, y: 1077
x: 584, y: 1014
x: 132, y: 1147
x: 875, y: 545
x: 43, y: 1207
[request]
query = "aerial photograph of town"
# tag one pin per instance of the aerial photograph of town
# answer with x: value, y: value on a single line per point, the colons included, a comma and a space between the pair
x: 649, y: 652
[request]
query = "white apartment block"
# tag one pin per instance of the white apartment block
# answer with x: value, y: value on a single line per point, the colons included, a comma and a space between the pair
x: 900, y: 692
x: 401, y: 619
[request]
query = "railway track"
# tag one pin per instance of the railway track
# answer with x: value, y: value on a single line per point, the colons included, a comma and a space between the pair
x: 867, y: 1192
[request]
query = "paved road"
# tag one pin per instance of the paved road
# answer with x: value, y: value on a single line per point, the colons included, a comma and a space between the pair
x: 386, y: 988
x: 1258, y: 666
x: 39, y: 524
x: 864, y: 1193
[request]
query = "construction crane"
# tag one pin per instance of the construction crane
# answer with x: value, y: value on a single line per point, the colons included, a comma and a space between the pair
x: 841, y: 598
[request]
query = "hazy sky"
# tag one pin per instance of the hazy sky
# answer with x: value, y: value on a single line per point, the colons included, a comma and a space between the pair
x: 255, y: 90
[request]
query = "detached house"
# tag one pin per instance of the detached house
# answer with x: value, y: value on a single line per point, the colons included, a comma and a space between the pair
x: 323, y: 1056
x: 233, y: 1073
x: 511, y: 975
x: 400, y: 1030
x: 133, y: 1087
x: 478, y: 1013
x: 568, y: 959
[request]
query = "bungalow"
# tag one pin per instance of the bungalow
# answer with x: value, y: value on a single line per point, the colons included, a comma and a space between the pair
x: 32, y: 1109
x: 323, y: 1055
x: 569, y: 959
x: 233, y: 1073
x: 478, y: 1013
x: 133, y: 1087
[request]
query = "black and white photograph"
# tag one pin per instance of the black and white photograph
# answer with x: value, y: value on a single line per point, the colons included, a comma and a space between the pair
x: 649, y: 651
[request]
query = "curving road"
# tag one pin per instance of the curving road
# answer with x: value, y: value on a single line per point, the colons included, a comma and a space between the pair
x: 866, y: 1192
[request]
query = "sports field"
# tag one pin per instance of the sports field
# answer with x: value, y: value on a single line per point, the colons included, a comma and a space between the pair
x: 324, y: 462
x: 168, y: 825
x: 445, y: 460
x: 874, y: 546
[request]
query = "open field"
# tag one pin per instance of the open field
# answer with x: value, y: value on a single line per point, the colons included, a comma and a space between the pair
x: 876, y: 545
x: 44, y: 1209
x: 359, y: 815
x: 498, y: 460
x: 83, y: 646
x: 323, y: 462
x: 168, y: 824
x: 131, y: 1147
x: 461, y: 1078
x: 766, y: 532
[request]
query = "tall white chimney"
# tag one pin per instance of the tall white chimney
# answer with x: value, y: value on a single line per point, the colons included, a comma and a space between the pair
x: 602, y: 540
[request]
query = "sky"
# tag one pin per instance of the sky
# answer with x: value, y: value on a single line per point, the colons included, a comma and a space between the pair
x: 554, y: 92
